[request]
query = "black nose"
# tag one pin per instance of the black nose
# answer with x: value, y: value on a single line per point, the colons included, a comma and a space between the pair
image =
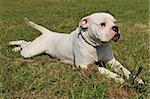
x: 115, y: 28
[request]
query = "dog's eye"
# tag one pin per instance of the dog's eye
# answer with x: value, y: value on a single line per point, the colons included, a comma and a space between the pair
x: 115, y: 22
x: 102, y: 24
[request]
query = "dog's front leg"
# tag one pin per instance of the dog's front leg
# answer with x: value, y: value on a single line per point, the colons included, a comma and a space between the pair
x: 110, y: 74
x: 105, y: 72
x: 119, y: 69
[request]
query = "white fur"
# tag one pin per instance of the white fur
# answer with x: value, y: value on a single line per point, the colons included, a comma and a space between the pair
x: 73, y: 49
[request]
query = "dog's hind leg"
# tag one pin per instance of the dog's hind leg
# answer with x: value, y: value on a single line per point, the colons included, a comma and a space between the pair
x: 36, y: 47
x: 29, y: 49
x: 36, y: 26
x: 20, y: 44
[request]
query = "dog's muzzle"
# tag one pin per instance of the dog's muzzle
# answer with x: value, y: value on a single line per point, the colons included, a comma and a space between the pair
x: 117, y: 35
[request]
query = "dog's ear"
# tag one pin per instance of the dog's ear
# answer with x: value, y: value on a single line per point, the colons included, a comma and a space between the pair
x: 84, y: 23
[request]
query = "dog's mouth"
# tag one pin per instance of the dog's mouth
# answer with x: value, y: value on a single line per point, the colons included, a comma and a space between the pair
x: 116, y: 37
x: 104, y: 42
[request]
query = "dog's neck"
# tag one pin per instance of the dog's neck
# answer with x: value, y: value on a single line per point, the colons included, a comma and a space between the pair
x: 89, y: 38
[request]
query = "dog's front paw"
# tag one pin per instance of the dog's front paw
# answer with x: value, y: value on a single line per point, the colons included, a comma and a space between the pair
x: 139, y: 81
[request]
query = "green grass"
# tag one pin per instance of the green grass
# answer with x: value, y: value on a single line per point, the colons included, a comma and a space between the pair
x: 45, y: 77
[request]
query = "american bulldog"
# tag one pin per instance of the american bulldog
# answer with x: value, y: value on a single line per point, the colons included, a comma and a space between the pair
x: 89, y: 43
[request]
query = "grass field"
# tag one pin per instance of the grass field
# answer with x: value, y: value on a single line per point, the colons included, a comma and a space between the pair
x: 45, y: 77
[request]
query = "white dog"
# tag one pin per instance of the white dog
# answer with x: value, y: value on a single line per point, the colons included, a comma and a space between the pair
x: 87, y: 44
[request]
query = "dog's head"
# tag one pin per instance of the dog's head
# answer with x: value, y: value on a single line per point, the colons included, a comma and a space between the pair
x: 102, y: 26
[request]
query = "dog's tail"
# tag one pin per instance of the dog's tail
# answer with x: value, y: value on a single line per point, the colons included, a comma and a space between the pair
x: 36, y: 26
